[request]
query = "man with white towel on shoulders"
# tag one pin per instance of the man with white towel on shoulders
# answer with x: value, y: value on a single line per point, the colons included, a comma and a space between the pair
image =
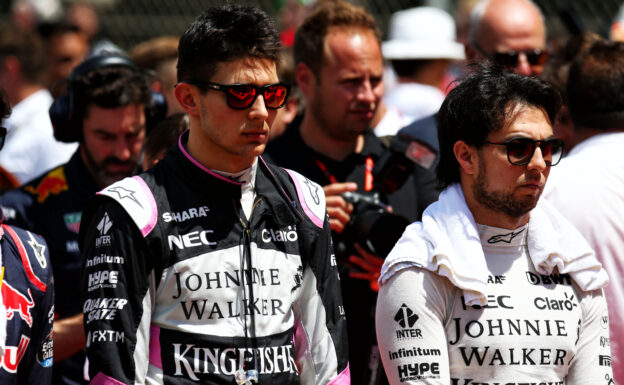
x: 494, y: 285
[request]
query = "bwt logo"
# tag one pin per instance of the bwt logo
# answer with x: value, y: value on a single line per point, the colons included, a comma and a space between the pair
x: 604, y: 360
x: 553, y: 279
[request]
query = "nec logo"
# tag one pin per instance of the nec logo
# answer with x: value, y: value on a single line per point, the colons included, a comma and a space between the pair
x: 192, y: 239
x: 271, y: 235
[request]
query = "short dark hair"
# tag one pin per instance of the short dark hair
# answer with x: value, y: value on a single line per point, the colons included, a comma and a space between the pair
x: 109, y: 87
x: 29, y: 50
x: 482, y: 103
x: 309, y: 47
x: 164, y: 135
x: 595, y: 84
x: 223, y: 34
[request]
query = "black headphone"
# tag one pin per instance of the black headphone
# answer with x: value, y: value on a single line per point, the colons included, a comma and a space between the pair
x: 67, y: 128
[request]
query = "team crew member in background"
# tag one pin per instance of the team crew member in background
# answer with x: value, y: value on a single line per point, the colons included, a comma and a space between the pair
x: 105, y: 112
x: 26, y: 301
x: 494, y: 285
x: 338, y: 69
x: 213, y: 266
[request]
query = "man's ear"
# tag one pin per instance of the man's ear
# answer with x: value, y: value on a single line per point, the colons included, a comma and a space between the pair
x: 466, y: 156
x: 188, y: 98
x: 305, y: 79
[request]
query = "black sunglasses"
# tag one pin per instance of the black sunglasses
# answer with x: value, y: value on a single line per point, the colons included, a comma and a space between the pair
x: 242, y: 96
x: 520, y: 150
x: 3, y: 132
x: 535, y: 57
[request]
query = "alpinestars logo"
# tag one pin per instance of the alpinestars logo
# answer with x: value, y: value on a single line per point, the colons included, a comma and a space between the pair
x: 39, y: 250
x: 103, y: 227
x: 405, y: 317
x: 507, y: 238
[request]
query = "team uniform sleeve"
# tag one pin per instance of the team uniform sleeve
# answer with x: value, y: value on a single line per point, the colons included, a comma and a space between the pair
x: 592, y: 362
x: 36, y: 366
x: 321, y: 349
x: 117, y: 288
x: 410, y: 324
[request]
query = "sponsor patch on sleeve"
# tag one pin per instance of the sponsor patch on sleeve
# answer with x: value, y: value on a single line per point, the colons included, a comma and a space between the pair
x: 137, y: 199
x: 311, y: 197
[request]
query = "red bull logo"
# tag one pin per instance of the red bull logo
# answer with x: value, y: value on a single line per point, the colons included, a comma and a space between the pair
x: 53, y: 183
x: 16, y: 302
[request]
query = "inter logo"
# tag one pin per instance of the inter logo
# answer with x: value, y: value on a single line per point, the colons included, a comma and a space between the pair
x: 405, y: 317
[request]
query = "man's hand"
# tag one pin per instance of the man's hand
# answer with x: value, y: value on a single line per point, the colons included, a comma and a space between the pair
x: 69, y: 337
x: 370, y: 265
x: 338, y: 208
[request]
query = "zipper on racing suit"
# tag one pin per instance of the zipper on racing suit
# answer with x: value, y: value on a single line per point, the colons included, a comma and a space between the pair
x: 248, y: 372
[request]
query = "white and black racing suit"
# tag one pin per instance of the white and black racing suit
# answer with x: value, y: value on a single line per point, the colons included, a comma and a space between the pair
x: 180, y: 287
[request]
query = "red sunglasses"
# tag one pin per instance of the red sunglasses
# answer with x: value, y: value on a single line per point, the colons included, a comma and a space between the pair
x: 242, y: 96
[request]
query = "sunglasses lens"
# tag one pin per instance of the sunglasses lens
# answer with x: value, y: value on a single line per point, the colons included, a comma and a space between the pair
x: 275, y: 95
x: 552, y: 151
x: 241, y: 96
x: 537, y: 57
x: 506, y: 59
x: 520, y: 150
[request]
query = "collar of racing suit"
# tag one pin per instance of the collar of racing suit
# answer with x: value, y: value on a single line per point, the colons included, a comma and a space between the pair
x: 280, y: 202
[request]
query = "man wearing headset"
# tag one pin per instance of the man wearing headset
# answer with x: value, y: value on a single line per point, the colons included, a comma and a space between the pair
x: 105, y: 112
x: 214, y: 266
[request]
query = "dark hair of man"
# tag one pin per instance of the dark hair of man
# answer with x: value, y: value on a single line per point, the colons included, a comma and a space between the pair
x: 594, y: 88
x: 164, y: 135
x: 5, y: 107
x: 483, y: 102
x: 109, y: 87
x: 309, y: 47
x: 28, y: 48
x: 410, y: 67
x: 223, y: 34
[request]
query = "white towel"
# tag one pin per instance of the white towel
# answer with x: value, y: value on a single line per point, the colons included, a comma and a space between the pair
x: 447, y: 242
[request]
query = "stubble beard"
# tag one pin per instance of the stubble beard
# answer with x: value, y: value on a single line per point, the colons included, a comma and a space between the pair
x: 499, y: 201
x: 338, y: 130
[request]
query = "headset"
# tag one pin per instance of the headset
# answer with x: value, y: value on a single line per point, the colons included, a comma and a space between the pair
x: 67, y: 128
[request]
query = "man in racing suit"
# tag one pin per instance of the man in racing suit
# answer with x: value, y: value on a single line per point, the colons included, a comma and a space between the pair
x: 213, y: 266
x: 26, y: 302
x: 494, y: 286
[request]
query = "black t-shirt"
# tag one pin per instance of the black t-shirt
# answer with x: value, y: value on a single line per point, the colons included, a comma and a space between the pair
x: 409, y: 201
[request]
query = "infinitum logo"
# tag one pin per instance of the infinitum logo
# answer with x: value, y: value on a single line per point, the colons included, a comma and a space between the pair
x: 103, y: 227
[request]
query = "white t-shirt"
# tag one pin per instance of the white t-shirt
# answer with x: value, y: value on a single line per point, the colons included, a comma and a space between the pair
x: 415, y: 100
x: 534, y: 329
x: 587, y: 187
x: 30, y: 148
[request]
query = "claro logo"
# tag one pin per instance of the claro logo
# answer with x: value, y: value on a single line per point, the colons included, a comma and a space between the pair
x: 270, y: 235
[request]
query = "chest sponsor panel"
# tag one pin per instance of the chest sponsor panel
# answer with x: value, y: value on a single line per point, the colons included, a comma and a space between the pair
x: 215, y: 359
x: 533, y: 322
x: 211, y: 292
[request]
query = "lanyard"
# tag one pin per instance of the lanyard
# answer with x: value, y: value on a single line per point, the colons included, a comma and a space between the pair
x: 368, y: 173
